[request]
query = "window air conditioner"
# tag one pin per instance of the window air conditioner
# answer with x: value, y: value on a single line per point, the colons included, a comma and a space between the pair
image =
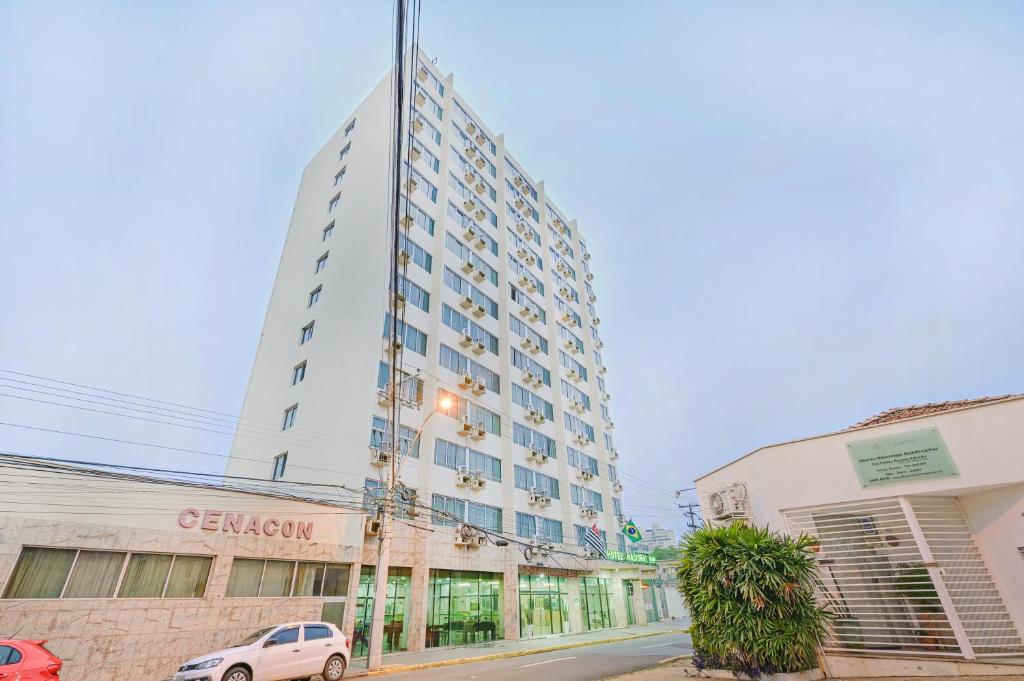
x: 372, y: 527
x: 729, y: 502
x: 479, y: 348
x: 469, y: 204
x: 403, y: 258
x: 466, y: 303
x: 421, y: 99
x: 469, y: 150
x: 470, y: 127
x: 466, y: 340
x: 479, y: 275
x: 417, y: 124
x: 480, y: 139
x: 520, y: 203
x: 422, y: 74
x: 469, y: 234
x: 468, y: 266
x: 480, y: 188
x: 467, y: 426
x: 479, y: 388
x: 469, y: 175
x: 467, y: 381
x: 536, y: 455
x: 380, y: 457
x: 480, y: 311
x: 415, y: 152
x: 518, y: 181
x: 481, y: 162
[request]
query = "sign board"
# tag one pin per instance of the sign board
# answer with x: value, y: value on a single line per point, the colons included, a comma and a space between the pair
x: 621, y: 557
x: 905, y: 457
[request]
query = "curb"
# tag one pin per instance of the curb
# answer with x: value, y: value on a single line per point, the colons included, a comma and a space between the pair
x: 398, y: 669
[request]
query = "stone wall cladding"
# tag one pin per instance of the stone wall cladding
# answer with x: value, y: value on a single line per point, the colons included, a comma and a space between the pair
x: 147, y: 639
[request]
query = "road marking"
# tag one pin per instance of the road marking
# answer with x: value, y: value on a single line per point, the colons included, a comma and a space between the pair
x: 559, y: 659
x: 670, y: 643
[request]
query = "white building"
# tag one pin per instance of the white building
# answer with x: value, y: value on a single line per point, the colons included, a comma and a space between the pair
x: 919, y: 515
x: 657, y: 537
x: 500, y: 317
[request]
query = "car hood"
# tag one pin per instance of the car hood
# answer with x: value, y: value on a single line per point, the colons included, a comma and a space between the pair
x: 226, y: 653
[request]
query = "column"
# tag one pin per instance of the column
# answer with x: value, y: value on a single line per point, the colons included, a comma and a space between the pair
x: 510, y: 594
x: 419, y: 596
x: 575, y: 607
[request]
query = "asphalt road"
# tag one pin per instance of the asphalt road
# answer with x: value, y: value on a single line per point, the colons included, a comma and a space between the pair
x: 574, y: 664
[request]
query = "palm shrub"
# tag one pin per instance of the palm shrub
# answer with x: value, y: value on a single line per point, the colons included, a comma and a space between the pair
x: 751, y: 599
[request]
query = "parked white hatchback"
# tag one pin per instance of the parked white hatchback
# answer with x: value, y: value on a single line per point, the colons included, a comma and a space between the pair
x: 279, y: 653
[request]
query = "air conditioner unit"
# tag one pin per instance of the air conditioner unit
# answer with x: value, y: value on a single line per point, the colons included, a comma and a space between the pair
x: 557, y: 222
x: 521, y: 227
x: 408, y: 219
x: 479, y: 432
x: 613, y: 454
x: 605, y: 397
x: 480, y: 244
x: 602, y: 370
x: 480, y: 139
x: 577, y: 406
x: 479, y: 275
x: 372, y: 527
x: 538, y: 381
x: 466, y: 340
x: 536, y: 497
x: 467, y: 427
x: 588, y: 511
x: 584, y: 475
x: 469, y: 204
x: 729, y: 502
x: 574, y: 375
x: 581, y: 439
x: 479, y: 348
x: 479, y: 481
x: 536, y: 455
x: 592, y: 298
x: 480, y: 311
x: 467, y: 381
x: 480, y: 188
x: 525, y: 281
x: 599, y: 344
x: 399, y: 300
x: 421, y: 98
x: 403, y: 258
x: 590, y: 276
x: 468, y: 266
x: 470, y: 127
x: 528, y: 377
x: 466, y: 303
x: 561, y: 267
x: 379, y: 457
x: 586, y: 256
x: 534, y: 317
x: 480, y: 162
x: 569, y: 319
x: 480, y: 214
x: 417, y: 124
x: 470, y: 150
x: 415, y: 152
x: 617, y: 487
x: 609, y: 425
x: 411, y: 184
x: 463, y: 478
x: 525, y: 342
x: 597, y: 320
x: 520, y: 203
x: 469, y: 175
x: 563, y: 248
x: 384, y: 396
x: 525, y: 312
x: 396, y: 347
x: 468, y: 537
x: 570, y: 345
x: 479, y: 388
x: 422, y: 74
x: 469, y: 234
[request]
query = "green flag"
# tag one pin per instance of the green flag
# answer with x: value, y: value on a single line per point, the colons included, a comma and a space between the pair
x: 632, y: 532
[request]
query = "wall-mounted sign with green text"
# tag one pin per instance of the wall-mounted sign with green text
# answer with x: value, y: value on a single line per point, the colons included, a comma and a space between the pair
x: 645, y: 558
x: 905, y: 457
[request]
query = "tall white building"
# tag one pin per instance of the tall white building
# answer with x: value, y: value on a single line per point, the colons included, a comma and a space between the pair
x: 500, y: 317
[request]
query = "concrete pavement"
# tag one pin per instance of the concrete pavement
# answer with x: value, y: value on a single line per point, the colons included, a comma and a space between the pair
x: 579, y: 663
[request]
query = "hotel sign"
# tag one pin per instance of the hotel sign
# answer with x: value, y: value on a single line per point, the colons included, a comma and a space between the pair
x: 239, y: 523
x: 905, y: 457
x: 619, y: 556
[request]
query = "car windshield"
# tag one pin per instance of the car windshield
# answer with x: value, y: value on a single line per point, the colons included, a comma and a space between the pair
x: 253, y: 637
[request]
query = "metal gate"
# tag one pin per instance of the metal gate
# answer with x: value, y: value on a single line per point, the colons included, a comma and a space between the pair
x: 904, y: 576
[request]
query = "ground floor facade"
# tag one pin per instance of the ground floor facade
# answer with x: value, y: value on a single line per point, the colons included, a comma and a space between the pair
x: 919, y: 517
x: 181, y: 570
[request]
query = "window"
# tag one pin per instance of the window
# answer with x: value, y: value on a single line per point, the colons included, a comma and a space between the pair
x: 617, y: 507
x: 410, y: 388
x: 529, y: 480
x: 530, y: 400
x: 298, y: 373
x: 321, y: 263
x: 581, y: 496
x: 418, y: 215
x: 449, y: 512
x: 380, y: 438
x: 411, y: 337
x: 457, y: 321
x: 464, y: 288
x: 462, y: 408
x: 344, y: 152
x: 413, y: 293
x: 9, y: 655
x: 328, y: 231
x: 519, y: 328
x: 71, y: 573
x: 307, y: 333
x: 266, y: 578
x: 417, y: 254
x: 314, y: 296
x: 334, y: 203
x: 460, y: 364
x: 530, y: 526
x: 578, y: 459
x: 340, y: 176
x: 315, y: 632
x: 349, y: 128
x: 280, y: 461
x: 528, y: 437
x: 576, y: 425
x: 289, y: 417
x: 521, y: 360
x: 455, y: 456
x: 374, y: 492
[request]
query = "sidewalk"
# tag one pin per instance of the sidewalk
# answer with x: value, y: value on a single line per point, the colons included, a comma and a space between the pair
x: 442, y: 657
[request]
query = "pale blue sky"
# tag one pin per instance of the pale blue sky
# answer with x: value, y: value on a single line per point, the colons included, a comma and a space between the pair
x: 800, y: 213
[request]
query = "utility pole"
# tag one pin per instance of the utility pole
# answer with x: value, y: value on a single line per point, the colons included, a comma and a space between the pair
x: 688, y: 509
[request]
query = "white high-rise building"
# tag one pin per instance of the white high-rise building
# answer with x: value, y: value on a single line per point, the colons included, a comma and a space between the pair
x: 500, y: 318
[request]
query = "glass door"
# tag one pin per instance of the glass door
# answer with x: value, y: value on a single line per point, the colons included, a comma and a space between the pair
x: 628, y: 590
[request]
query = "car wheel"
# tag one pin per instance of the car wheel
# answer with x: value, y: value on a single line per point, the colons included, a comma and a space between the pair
x: 334, y: 669
x: 237, y: 674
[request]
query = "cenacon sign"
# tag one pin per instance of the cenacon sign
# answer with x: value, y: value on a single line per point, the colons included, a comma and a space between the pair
x: 239, y: 523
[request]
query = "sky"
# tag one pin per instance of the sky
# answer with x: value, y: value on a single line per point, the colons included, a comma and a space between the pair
x: 800, y: 214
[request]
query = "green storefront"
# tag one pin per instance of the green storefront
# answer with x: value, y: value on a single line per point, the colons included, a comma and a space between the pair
x: 543, y: 605
x: 596, y: 604
x: 464, y: 607
x: 396, y: 611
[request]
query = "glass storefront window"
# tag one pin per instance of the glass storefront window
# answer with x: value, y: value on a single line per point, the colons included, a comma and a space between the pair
x: 543, y: 606
x: 597, y: 611
x: 396, y: 611
x: 465, y: 607
x: 627, y: 585
x: 650, y: 600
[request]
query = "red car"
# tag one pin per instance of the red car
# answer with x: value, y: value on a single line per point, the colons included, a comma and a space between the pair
x: 27, y: 661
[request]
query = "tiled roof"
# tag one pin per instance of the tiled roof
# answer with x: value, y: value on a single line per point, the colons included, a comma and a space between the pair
x: 913, y: 411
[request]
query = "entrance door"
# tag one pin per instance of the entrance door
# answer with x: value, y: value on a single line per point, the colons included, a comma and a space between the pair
x: 628, y: 590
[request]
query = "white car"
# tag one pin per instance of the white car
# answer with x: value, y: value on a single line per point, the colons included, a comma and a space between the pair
x: 279, y: 653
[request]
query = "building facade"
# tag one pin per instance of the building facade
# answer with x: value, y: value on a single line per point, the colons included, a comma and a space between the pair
x: 499, y: 322
x: 920, y: 516
x: 657, y: 537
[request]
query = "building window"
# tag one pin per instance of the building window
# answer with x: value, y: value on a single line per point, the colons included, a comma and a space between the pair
x: 289, y: 417
x: 321, y: 263
x: 298, y: 373
x: 350, y: 128
x: 307, y: 333
x: 280, y: 461
x: 73, y: 573
x: 282, y: 578
x: 334, y: 203
x: 344, y: 152
x: 314, y: 296
x: 328, y: 231
x: 340, y: 176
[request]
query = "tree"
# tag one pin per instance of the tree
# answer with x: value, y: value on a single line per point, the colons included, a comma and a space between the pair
x: 751, y: 599
x: 668, y: 553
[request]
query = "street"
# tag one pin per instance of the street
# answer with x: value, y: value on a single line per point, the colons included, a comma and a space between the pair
x: 573, y: 664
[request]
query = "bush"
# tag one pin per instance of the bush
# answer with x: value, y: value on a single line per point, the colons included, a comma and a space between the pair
x: 751, y: 598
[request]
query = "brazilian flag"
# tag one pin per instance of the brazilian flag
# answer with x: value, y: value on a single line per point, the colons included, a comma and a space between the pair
x: 632, y: 532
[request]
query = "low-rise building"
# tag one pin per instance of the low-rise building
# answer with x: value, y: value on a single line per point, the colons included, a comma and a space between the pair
x: 919, y: 515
